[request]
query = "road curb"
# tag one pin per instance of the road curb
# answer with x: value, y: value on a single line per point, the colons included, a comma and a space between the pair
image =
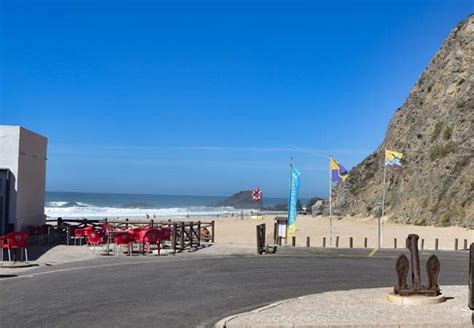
x: 223, y: 322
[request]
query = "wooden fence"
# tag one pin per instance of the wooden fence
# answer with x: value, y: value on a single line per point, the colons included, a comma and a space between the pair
x: 184, y: 234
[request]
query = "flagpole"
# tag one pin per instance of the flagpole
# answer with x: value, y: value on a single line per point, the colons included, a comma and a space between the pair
x: 383, y: 204
x: 330, y: 203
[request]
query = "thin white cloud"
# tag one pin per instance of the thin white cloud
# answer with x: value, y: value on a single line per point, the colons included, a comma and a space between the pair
x: 63, y: 149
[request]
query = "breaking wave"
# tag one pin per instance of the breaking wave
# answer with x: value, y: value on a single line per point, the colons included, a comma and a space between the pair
x: 63, y: 209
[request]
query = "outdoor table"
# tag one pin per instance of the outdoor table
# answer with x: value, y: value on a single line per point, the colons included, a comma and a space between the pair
x: 110, y: 235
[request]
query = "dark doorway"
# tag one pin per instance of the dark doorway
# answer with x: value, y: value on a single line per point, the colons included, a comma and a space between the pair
x: 4, y: 200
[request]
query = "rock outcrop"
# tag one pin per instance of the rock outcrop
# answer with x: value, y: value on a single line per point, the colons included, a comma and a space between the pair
x: 434, y: 129
x: 240, y: 200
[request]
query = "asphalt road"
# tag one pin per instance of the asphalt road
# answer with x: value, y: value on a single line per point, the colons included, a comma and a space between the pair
x: 191, y: 290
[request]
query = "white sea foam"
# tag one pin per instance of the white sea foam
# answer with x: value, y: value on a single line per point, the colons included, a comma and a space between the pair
x: 55, y: 204
x: 63, y: 204
x: 101, y: 212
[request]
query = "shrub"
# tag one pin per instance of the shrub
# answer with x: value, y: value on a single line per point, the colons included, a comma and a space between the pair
x: 445, y: 222
x: 441, y: 151
x: 421, y: 222
x: 448, y: 132
x: 436, y: 131
x: 369, y: 209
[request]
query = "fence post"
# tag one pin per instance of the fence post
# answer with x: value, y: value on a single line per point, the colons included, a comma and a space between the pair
x: 324, y: 241
x: 395, y: 243
x: 59, y: 229
x: 261, y: 233
x: 293, y: 241
x: 275, y: 232
x: 351, y: 242
x: 436, y: 244
x: 181, y: 236
x: 422, y: 244
x: 174, y: 236
x: 471, y: 277
x: 465, y: 244
x: 191, y: 233
x: 365, y: 242
x: 308, y: 242
x: 259, y: 250
x: 151, y: 222
x: 198, y: 234
x: 456, y: 244
x: 212, y: 231
x: 337, y: 241
x: 68, y: 235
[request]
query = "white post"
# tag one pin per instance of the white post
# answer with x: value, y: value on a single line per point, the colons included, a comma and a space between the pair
x: 330, y: 203
x: 383, y: 205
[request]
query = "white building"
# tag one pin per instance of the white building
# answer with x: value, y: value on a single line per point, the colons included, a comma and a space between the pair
x: 22, y: 178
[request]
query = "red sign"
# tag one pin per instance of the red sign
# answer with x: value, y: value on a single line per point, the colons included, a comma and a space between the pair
x: 257, y: 194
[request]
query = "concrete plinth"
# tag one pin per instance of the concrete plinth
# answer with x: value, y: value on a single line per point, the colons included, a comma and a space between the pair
x: 415, y: 299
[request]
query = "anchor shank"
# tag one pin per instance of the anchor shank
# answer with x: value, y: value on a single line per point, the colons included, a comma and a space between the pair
x: 415, y: 261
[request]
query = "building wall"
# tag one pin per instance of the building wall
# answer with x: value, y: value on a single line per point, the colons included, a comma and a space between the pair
x: 31, y: 179
x: 9, y: 157
x: 24, y: 153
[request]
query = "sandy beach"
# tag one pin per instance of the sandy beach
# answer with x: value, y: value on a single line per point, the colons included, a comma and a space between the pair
x: 237, y: 231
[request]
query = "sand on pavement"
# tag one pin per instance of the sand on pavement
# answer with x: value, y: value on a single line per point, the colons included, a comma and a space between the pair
x: 234, y: 230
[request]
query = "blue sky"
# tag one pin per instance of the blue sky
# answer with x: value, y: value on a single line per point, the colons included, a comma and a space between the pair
x: 209, y: 98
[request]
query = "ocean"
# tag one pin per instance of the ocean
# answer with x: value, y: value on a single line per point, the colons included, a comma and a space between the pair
x: 101, y: 205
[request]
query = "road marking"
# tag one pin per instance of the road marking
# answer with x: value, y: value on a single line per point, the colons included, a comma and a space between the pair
x: 372, y: 252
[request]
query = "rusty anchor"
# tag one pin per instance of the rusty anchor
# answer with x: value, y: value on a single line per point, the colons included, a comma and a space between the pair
x: 402, y: 267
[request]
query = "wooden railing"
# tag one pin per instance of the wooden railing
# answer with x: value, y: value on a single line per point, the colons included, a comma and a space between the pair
x: 184, y: 234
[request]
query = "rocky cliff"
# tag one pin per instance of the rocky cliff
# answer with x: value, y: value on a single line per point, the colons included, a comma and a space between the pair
x: 240, y: 200
x: 434, y: 129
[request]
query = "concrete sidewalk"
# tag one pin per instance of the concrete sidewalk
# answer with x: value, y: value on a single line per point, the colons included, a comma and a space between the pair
x: 47, y: 256
x: 357, y: 308
x: 60, y: 254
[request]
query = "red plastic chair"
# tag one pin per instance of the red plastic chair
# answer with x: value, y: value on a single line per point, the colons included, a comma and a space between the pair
x: 78, y: 234
x: 88, y: 230
x: 123, y: 238
x: 151, y: 237
x: 138, y: 234
x: 165, y: 234
x: 16, y: 239
x: 96, y: 238
x: 107, y: 227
